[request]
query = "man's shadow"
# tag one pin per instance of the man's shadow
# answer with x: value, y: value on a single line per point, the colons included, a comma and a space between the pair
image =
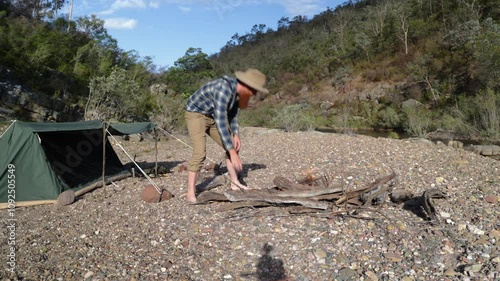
x: 268, y: 268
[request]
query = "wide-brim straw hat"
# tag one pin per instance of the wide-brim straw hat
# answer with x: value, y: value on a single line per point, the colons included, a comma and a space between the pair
x: 253, y: 78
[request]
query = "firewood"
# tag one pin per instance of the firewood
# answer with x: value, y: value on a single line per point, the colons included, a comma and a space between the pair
x: 371, y: 187
x: 235, y: 196
x: 208, y: 196
x: 294, y: 193
x: 243, y: 204
x: 427, y: 203
x: 285, y: 184
x: 402, y: 195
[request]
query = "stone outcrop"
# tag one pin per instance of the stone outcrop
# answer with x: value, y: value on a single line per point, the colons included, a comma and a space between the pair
x: 17, y: 102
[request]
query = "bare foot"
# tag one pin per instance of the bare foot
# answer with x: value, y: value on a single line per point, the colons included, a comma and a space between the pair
x: 239, y: 186
x: 190, y: 199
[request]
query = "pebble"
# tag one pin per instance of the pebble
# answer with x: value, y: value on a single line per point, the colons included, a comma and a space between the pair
x: 177, y: 241
x: 491, y: 199
x: 88, y: 275
x: 346, y: 274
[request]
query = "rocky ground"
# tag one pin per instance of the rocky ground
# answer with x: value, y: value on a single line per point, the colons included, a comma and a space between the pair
x: 111, y: 234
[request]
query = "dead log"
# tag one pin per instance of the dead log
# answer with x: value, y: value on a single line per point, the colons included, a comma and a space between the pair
x: 243, y: 204
x: 285, y: 184
x: 328, y: 197
x: 373, y: 188
x: 98, y: 184
x: 427, y: 203
x: 350, y: 195
x: 209, y: 196
x: 401, y: 195
x: 304, y: 193
x: 236, y: 196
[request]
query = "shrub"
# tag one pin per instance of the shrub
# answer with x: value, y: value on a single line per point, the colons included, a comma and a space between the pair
x: 393, y: 135
x: 454, y: 124
x: 343, y: 119
x: 169, y: 113
x: 417, y: 120
x: 261, y: 116
x: 482, y: 112
x: 388, y: 118
x: 295, y: 117
x: 487, y: 105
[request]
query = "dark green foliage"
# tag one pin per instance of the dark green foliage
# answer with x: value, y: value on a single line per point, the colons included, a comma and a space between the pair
x: 189, y: 72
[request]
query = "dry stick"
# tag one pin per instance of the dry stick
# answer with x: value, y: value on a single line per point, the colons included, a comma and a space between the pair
x: 140, y: 169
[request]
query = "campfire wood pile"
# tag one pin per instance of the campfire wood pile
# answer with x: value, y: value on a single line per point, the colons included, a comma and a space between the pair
x: 316, y: 194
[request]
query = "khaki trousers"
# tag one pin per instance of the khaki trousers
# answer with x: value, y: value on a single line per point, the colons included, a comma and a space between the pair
x: 199, y: 126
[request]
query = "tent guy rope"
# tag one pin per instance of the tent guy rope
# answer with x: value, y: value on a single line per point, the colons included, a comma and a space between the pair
x: 137, y: 165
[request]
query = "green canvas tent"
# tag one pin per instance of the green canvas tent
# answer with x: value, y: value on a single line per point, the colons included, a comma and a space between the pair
x: 38, y: 161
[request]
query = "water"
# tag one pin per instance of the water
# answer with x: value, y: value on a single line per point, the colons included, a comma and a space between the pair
x: 401, y: 135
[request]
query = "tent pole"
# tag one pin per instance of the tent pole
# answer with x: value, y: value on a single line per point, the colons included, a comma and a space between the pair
x: 156, y: 152
x: 104, y: 156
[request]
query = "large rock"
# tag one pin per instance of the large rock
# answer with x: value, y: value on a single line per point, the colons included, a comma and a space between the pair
x: 485, y: 150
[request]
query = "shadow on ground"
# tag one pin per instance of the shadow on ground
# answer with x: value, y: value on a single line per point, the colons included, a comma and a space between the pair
x: 268, y: 268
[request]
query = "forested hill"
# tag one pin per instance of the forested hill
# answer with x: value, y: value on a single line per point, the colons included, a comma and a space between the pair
x: 416, y: 65
x: 368, y: 57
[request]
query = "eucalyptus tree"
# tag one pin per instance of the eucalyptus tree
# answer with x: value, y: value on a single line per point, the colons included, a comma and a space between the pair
x: 36, y: 9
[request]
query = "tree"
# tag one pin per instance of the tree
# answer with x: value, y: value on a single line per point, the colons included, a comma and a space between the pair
x: 36, y: 9
x: 189, y: 71
x: 283, y: 23
x: 94, y: 28
x: 377, y: 17
x: 402, y: 13
x: 363, y: 42
x: 112, y: 97
x: 486, y: 53
x: 421, y: 71
x: 341, y: 20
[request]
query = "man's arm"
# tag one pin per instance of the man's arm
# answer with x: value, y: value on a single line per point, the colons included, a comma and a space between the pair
x: 221, y: 101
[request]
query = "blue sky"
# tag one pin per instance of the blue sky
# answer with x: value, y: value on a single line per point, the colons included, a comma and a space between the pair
x: 166, y: 29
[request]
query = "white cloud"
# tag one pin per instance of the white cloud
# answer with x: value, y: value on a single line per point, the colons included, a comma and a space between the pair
x: 122, y: 4
x: 107, y: 12
x: 154, y: 4
x: 120, y: 23
x: 184, y: 9
x: 292, y: 7
x: 301, y: 7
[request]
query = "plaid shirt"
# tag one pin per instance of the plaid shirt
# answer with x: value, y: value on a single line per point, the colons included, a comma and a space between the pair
x: 218, y: 100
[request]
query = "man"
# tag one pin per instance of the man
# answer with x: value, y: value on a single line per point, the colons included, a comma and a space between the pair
x: 213, y: 110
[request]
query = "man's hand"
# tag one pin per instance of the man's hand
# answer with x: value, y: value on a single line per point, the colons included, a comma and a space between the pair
x: 237, y: 143
x: 235, y: 160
